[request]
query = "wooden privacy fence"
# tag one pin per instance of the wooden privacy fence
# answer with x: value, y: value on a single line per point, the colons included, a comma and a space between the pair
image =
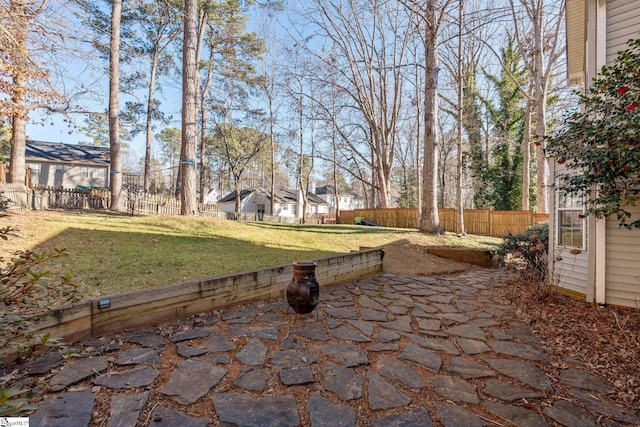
x: 484, y: 222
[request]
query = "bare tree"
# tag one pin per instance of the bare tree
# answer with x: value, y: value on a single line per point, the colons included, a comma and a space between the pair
x: 461, y: 79
x: 537, y: 32
x: 270, y: 88
x: 22, y: 80
x: 189, y: 110
x: 431, y: 13
x: 239, y: 146
x: 369, y: 42
x: 159, y: 29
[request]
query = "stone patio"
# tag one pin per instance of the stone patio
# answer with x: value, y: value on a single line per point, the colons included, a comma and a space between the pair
x: 385, y: 351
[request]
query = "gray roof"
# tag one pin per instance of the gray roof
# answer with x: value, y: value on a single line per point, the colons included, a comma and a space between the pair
x: 67, y: 153
x: 325, y: 189
x: 280, y: 196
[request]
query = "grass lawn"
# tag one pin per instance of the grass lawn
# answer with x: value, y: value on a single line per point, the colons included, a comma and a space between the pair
x: 109, y: 253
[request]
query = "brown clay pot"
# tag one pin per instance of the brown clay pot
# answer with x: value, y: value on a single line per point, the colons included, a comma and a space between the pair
x: 303, y: 291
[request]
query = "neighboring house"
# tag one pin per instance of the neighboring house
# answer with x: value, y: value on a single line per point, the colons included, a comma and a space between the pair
x: 258, y: 200
x: 594, y: 259
x: 347, y: 201
x: 67, y: 166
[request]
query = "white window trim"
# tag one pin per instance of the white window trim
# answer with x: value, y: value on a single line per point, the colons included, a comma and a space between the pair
x: 574, y: 206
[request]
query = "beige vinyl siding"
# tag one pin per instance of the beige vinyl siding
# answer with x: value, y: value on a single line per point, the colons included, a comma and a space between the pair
x: 623, y: 23
x: 623, y: 264
x: 571, y: 270
x: 576, y: 20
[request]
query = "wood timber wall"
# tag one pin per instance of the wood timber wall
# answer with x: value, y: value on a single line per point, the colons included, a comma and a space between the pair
x: 483, y: 258
x: 146, y: 307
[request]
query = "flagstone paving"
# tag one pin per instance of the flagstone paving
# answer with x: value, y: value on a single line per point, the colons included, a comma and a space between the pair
x: 384, y: 351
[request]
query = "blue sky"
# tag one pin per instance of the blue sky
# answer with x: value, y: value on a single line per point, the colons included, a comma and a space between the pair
x: 89, y: 72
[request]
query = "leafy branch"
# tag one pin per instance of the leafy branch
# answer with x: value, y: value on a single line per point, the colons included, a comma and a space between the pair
x: 600, y: 145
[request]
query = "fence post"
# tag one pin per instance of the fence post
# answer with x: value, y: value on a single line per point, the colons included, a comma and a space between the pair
x: 491, y: 222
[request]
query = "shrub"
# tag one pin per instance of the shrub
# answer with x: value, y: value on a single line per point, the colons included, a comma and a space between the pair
x: 527, y: 251
x: 599, y: 143
x: 25, y: 291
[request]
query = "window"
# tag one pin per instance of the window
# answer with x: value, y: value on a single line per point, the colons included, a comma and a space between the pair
x: 35, y: 172
x: 59, y: 169
x: 98, y: 173
x: 85, y: 172
x: 570, y: 220
x: 285, y: 207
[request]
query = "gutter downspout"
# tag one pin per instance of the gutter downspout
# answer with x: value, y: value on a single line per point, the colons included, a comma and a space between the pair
x: 551, y: 277
x: 601, y: 223
x: 600, y: 283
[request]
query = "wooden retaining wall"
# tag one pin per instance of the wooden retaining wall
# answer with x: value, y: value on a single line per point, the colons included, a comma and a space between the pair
x: 480, y: 257
x: 146, y: 307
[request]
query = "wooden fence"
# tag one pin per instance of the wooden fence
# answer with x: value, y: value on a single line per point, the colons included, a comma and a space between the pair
x: 484, y: 222
x: 21, y: 197
x: 18, y: 196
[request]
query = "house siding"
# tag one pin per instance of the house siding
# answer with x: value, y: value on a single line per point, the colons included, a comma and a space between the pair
x: 284, y: 208
x: 622, y: 259
x: 609, y: 26
x: 570, y: 270
x: 70, y: 176
x: 623, y: 23
x: 622, y: 275
x: 576, y: 19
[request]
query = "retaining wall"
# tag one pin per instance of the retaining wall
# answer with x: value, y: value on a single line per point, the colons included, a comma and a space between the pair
x: 146, y: 307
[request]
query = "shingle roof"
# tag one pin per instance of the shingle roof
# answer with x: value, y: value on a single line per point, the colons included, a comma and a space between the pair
x: 68, y: 153
x: 281, y: 196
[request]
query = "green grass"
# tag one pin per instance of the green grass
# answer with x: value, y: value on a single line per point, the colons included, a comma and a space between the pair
x: 114, y: 253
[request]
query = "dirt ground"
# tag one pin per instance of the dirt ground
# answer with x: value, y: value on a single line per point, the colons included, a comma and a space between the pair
x: 409, y: 257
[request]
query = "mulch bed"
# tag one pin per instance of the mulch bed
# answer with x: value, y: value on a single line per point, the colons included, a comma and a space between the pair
x: 602, y: 340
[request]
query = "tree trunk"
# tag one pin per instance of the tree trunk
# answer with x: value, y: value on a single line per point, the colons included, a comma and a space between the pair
x: 115, y: 184
x: 272, y: 149
x: 541, y: 161
x: 203, y: 140
x: 459, y: 206
x: 189, y: 110
x: 237, y: 191
x: 17, y: 164
x: 383, y: 185
x: 429, y: 219
x: 203, y: 129
x: 526, y: 157
x: 418, y: 142
x: 149, y: 125
x: 336, y: 192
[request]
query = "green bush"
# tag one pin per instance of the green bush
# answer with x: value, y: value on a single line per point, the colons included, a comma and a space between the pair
x: 598, y: 143
x: 527, y: 251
